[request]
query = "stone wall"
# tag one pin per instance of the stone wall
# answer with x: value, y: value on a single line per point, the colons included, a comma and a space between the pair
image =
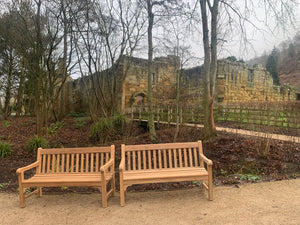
x: 236, y: 82
x: 135, y: 85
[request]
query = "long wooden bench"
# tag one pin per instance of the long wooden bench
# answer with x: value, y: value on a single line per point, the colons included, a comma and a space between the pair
x: 91, y: 166
x: 155, y: 163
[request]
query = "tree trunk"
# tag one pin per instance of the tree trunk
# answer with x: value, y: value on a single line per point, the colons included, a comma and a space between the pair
x: 152, y: 132
x: 21, y: 90
x: 8, y: 88
x: 210, y: 67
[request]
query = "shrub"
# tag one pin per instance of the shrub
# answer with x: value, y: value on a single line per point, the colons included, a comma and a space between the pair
x: 36, y: 142
x: 80, y: 122
x: 5, y: 149
x: 51, y: 130
x: 119, y: 123
x: 6, y: 123
x: 101, y: 130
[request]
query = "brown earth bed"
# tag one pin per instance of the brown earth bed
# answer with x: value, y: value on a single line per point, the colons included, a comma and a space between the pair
x: 237, y: 159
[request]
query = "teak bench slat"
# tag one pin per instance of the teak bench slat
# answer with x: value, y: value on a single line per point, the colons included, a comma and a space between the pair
x: 155, y: 163
x: 91, y: 166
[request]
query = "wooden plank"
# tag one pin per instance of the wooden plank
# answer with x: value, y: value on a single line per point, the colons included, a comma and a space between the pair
x: 81, y: 162
x: 154, y: 159
x: 160, y: 146
x: 139, y: 161
x: 68, y: 169
x: 62, y: 170
x: 76, y: 150
x: 48, y: 163
x: 159, y: 159
x: 165, y: 159
x: 144, y: 160
x: 170, y: 158
x: 77, y: 163
x: 175, y: 157
x: 72, y: 162
x: 185, y: 157
x: 133, y: 161
x: 102, y: 159
x: 196, y: 157
x: 87, y: 162
x: 53, y: 164
x: 44, y: 164
x: 180, y: 157
x: 97, y: 163
x: 57, y: 163
x: 149, y: 159
x: 129, y: 160
x: 191, y: 157
x: 92, y: 163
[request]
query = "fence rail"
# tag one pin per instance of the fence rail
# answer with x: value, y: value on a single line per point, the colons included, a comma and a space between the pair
x: 269, y: 117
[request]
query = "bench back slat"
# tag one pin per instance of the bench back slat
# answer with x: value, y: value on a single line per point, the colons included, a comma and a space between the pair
x: 162, y: 156
x: 74, y: 160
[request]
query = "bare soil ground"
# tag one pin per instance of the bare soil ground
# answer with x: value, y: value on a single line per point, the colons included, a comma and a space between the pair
x: 261, y: 203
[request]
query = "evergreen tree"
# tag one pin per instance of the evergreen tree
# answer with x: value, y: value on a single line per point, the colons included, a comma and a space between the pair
x: 271, y: 66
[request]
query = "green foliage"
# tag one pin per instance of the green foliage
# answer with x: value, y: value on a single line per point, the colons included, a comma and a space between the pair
x: 250, y: 177
x: 80, y: 122
x: 51, y: 130
x: 5, y: 150
x: 6, y: 123
x: 108, y: 128
x: 101, y: 130
x: 36, y: 142
x: 232, y: 58
x: 223, y: 172
x: 77, y: 114
x: 271, y: 66
x: 119, y: 123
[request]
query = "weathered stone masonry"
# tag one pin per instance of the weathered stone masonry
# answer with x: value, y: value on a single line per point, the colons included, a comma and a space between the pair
x: 236, y: 82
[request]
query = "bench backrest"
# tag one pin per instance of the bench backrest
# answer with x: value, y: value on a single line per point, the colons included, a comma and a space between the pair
x: 162, y: 156
x: 74, y: 160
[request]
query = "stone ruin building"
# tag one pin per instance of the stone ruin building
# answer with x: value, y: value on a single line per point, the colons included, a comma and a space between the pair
x: 236, y: 82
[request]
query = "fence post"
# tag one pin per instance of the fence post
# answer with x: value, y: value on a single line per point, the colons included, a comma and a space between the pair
x: 158, y: 116
x: 140, y: 115
x: 131, y: 112
x: 168, y: 116
x: 181, y: 119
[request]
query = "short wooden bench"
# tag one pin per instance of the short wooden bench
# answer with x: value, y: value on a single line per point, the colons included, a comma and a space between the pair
x: 155, y: 163
x: 91, y: 166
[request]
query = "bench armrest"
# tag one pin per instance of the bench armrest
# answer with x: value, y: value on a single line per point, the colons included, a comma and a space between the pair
x: 122, y: 164
x: 105, y: 167
x: 25, y: 168
x: 208, y: 161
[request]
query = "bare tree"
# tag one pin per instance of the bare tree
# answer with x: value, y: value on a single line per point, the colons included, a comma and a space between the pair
x: 210, y: 13
x: 106, y: 32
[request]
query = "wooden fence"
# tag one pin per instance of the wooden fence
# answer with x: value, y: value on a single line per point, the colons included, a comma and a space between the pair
x: 269, y: 117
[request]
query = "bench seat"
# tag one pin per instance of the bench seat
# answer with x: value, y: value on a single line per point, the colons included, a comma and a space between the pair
x: 55, y: 180
x: 163, y: 175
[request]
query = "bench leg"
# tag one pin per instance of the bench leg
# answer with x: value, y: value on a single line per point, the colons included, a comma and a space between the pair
x: 104, y: 196
x: 113, y: 184
x: 40, y: 192
x: 210, y: 184
x: 22, y: 196
x: 122, y: 195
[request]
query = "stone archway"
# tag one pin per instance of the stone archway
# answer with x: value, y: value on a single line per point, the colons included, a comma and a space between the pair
x: 140, y: 99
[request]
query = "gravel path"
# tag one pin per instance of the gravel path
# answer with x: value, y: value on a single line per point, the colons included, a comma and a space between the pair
x: 261, y: 203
